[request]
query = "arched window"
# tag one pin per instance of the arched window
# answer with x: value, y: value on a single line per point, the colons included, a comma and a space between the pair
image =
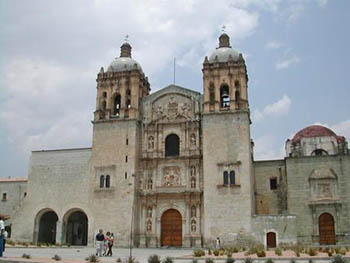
x: 108, y: 181
x: 193, y: 182
x: 225, y: 178
x: 117, y: 105
x: 102, y: 181
x: 319, y: 152
x: 150, y: 184
x: 172, y: 145
x: 224, y: 96
x: 232, y: 178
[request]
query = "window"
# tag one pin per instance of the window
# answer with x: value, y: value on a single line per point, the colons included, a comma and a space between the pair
x: 232, y: 178
x: 127, y: 142
x: 225, y: 178
x: 319, y: 152
x: 108, y: 181
x: 25, y: 194
x: 126, y: 175
x: 4, y: 196
x: 104, y: 94
x: 172, y: 145
x: 273, y: 183
x: 225, y: 96
x: 126, y: 158
x: 102, y: 181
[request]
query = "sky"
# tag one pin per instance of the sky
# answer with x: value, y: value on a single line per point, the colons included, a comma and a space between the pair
x: 296, y: 51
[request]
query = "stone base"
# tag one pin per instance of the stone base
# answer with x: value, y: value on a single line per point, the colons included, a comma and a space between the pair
x: 192, y: 241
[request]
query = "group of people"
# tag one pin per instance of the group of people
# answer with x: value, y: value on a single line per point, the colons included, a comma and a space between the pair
x: 3, y: 236
x: 104, y: 244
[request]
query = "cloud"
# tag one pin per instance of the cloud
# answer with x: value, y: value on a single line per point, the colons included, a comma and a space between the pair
x: 322, y: 3
x: 276, y: 109
x: 286, y: 63
x: 273, y: 44
x: 265, y: 148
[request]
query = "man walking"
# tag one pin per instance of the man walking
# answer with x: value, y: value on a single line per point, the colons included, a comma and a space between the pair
x: 100, y: 243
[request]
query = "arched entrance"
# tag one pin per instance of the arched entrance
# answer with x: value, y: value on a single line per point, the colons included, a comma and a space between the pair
x: 77, y: 229
x: 271, y: 240
x: 47, y: 227
x: 171, y: 228
x: 326, y: 229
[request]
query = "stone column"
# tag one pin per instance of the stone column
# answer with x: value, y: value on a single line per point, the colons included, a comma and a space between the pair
x: 59, y: 233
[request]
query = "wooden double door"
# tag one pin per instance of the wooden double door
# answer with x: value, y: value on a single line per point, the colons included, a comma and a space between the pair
x: 171, y: 228
x: 326, y: 229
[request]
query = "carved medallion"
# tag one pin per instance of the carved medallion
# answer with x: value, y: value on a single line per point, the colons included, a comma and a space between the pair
x: 171, y: 176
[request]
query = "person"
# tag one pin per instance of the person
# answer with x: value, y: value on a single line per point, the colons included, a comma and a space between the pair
x: 5, y: 237
x: 106, y: 243
x: 217, y: 242
x: 2, y: 230
x: 110, y: 245
x: 99, y: 243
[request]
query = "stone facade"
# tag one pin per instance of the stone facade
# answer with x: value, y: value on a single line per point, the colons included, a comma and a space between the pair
x: 176, y: 168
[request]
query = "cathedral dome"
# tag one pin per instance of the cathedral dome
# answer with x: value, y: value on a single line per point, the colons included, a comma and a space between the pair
x: 224, y: 52
x: 315, y: 131
x: 124, y: 62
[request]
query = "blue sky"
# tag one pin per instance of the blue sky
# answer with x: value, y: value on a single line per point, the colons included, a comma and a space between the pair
x: 297, y: 54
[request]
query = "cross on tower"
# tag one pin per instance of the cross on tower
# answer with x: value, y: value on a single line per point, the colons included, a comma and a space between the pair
x: 126, y: 38
x: 223, y: 29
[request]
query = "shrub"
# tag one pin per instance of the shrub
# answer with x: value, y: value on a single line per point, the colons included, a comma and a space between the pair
x: 57, y: 257
x: 330, y: 252
x: 194, y: 260
x: 235, y: 250
x: 118, y: 260
x: 229, y: 254
x: 92, y: 258
x: 198, y: 252
x: 312, y: 252
x: 337, y: 250
x: 342, y: 251
x: 269, y: 260
x: 221, y: 252
x: 230, y: 260
x: 10, y: 242
x: 27, y: 256
x: 278, y: 251
x: 293, y: 261
x: 168, y: 260
x: 248, y: 260
x: 216, y: 252
x: 209, y: 251
x: 130, y: 259
x: 261, y: 253
x: 339, y: 259
x: 154, y: 259
x: 209, y: 260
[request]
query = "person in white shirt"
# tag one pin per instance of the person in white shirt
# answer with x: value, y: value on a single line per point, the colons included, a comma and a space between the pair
x: 2, y: 230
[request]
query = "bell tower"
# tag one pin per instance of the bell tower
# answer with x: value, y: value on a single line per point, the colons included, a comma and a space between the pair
x: 227, y: 152
x: 116, y: 146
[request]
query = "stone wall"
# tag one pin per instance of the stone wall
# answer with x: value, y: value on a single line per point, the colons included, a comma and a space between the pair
x: 57, y: 181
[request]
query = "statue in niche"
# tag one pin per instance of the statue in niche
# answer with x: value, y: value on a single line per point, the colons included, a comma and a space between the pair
x: 324, y: 191
x: 193, y: 139
x: 171, y: 176
x: 150, y: 142
x: 193, y: 170
x: 159, y: 112
x: 193, y: 226
x: 193, y: 182
x: 149, y: 226
x: 193, y: 211
x: 149, y: 212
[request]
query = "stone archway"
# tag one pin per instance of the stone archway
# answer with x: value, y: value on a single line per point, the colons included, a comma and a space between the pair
x: 326, y: 229
x: 47, y: 222
x: 171, y: 228
x: 76, y: 228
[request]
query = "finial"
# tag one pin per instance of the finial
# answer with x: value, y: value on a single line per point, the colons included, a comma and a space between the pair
x: 126, y: 39
x: 223, y: 29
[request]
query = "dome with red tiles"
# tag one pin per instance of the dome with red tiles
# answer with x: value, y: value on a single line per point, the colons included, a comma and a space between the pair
x: 315, y: 131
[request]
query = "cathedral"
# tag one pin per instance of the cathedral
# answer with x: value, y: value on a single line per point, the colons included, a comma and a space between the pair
x: 176, y: 168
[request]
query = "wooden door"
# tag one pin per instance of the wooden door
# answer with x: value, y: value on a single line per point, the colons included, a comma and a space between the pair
x: 171, y: 227
x: 271, y: 239
x: 326, y: 229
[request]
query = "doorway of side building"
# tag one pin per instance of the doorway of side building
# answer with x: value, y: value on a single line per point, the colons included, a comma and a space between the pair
x: 171, y: 228
x: 47, y: 227
x: 271, y: 240
x: 326, y: 229
x: 77, y: 229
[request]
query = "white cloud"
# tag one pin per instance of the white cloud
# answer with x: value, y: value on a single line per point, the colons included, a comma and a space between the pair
x: 276, y: 109
x: 265, y: 148
x: 322, y: 3
x: 287, y: 62
x: 273, y: 44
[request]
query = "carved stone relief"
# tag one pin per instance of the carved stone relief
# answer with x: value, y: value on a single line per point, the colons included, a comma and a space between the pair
x: 171, y: 176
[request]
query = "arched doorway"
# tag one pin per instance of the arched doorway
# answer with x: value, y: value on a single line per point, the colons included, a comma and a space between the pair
x: 271, y: 240
x: 171, y: 228
x: 326, y: 229
x: 47, y: 227
x: 77, y: 229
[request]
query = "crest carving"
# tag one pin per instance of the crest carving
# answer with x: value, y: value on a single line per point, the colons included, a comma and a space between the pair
x: 171, y: 176
x: 173, y: 110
